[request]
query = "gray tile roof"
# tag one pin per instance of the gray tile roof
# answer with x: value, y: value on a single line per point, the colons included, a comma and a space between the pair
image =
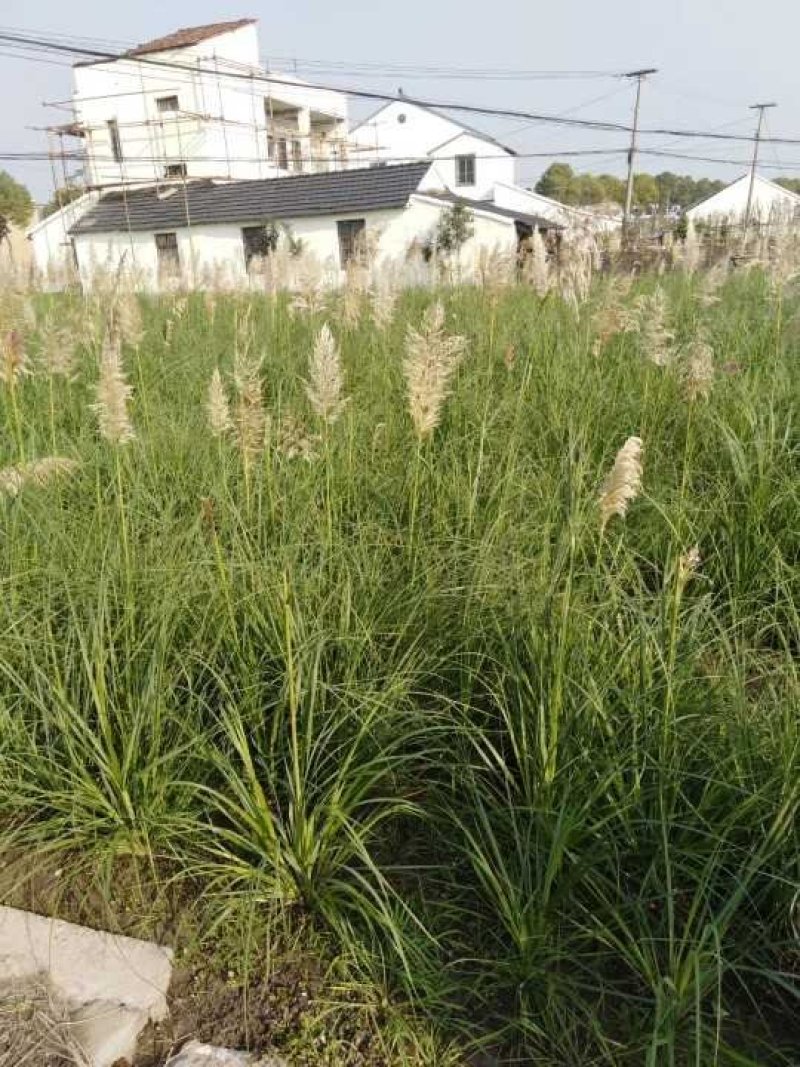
x: 202, y: 202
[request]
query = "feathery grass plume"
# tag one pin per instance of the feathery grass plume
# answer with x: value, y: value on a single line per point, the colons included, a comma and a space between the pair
x: 710, y: 283
x: 294, y: 441
x: 692, y: 250
x: 249, y: 418
x: 535, y: 268
x: 384, y: 303
x: 310, y: 295
x: 35, y: 472
x: 58, y: 356
x: 217, y: 407
x: 611, y: 317
x: 623, y: 483
x: 125, y: 318
x: 575, y: 273
x: 698, y: 369
x: 688, y: 565
x: 655, y: 339
x: 510, y: 357
x: 352, y: 297
x: 432, y: 357
x: 325, y: 383
x: 113, y: 393
x: 14, y: 362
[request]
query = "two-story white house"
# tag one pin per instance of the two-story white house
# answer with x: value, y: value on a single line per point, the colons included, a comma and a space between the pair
x: 194, y: 104
x: 469, y: 162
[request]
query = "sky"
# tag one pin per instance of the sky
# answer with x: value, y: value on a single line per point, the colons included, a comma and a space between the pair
x: 714, y: 59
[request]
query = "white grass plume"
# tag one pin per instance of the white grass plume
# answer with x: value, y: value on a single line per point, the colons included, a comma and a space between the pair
x: 623, y: 483
x: 654, y: 336
x: 217, y: 407
x: 36, y: 472
x: 126, y: 318
x: 249, y: 419
x: 432, y: 357
x: 14, y: 362
x: 325, y: 384
x: 58, y: 356
x: 384, y: 303
x: 113, y: 394
x: 698, y: 370
x: 688, y: 565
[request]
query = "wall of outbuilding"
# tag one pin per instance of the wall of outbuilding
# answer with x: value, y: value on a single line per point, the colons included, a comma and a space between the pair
x: 215, y: 253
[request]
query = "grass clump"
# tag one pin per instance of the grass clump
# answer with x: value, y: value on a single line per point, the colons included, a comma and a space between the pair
x: 410, y: 688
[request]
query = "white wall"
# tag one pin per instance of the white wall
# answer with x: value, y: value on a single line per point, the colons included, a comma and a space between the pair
x: 220, y: 129
x: 216, y: 252
x: 404, y: 131
x: 51, y: 245
x: 730, y: 204
x: 492, y: 165
x: 516, y: 198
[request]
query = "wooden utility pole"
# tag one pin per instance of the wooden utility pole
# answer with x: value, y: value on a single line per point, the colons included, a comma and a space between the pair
x: 639, y: 75
x: 760, y: 108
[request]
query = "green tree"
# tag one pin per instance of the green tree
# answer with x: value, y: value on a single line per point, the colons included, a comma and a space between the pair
x: 558, y: 183
x: 645, y: 191
x: 792, y: 184
x: 61, y: 197
x: 16, y: 205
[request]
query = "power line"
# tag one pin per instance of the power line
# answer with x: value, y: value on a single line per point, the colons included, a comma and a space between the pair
x: 367, y: 94
x: 101, y: 55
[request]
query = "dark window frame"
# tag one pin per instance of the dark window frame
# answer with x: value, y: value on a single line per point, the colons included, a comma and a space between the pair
x: 116, y: 141
x: 168, y: 254
x: 258, y: 242
x: 350, y: 233
x: 167, y: 104
x: 176, y: 170
x: 297, y: 155
x: 466, y: 169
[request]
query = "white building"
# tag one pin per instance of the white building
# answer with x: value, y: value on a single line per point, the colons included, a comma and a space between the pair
x: 195, y: 104
x: 205, y: 231
x: 470, y: 162
x: 771, y: 203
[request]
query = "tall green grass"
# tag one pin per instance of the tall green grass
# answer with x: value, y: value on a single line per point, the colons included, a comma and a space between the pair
x: 539, y: 783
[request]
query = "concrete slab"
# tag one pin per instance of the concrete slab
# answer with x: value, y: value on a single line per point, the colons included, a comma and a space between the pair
x: 111, y: 985
x: 195, y: 1054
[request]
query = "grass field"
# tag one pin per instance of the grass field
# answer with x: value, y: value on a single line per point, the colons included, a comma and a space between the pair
x: 364, y: 679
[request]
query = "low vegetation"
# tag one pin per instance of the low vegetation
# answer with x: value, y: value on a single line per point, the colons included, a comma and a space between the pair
x: 448, y: 638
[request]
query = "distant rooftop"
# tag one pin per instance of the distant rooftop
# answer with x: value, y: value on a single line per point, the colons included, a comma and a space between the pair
x: 188, y: 36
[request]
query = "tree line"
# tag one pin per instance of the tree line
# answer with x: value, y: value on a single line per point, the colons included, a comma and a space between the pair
x: 666, y: 191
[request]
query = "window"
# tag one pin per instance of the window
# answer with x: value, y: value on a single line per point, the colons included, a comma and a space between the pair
x: 116, y: 143
x: 351, y: 239
x: 258, y: 242
x: 175, y: 170
x: 169, y: 263
x: 283, y: 153
x: 167, y: 103
x: 297, y: 155
x: 465, y: 170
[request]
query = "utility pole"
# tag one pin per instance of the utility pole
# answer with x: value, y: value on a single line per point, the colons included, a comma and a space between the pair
x: 639, y: 75
x: 760, y: 108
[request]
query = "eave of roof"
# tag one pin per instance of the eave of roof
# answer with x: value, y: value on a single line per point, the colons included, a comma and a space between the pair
x: 207, y: 203
x: 490, y: 208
